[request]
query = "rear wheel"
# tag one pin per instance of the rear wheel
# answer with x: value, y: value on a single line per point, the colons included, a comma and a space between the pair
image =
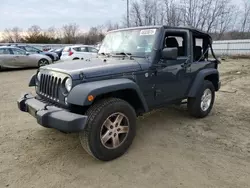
x: 201, y: 105
x: 43, y: 62
x: 110, y: 129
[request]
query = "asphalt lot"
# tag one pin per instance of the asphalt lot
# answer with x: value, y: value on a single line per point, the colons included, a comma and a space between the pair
x: 171, y: 148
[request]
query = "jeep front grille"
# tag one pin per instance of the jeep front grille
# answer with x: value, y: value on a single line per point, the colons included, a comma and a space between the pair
x: 50, y: 86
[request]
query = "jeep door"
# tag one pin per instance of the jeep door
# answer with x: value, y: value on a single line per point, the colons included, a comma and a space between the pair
x: 173, y: 77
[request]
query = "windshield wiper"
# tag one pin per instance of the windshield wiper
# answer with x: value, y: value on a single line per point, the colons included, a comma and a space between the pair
x: 129, y: 55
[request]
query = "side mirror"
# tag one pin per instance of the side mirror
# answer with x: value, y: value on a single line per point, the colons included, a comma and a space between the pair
x: 27, y: 53
x: 169, y: 53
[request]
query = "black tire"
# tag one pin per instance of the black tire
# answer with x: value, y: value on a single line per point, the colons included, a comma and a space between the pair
x: 194, y: 104
x: 97, y: 114
x: 43, y: 62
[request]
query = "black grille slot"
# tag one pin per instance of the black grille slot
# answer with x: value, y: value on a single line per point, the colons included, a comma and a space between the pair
x: 50, y: 86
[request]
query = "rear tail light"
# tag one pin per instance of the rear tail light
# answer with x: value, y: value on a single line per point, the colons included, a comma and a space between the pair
x: 71, y: 53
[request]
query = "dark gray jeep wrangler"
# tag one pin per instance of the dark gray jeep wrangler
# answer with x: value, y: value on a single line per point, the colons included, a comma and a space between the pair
x: 137, y: 70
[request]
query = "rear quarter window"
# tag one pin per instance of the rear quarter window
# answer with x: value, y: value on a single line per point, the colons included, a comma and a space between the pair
x: 66, y: 49
x: 93, y: 50
x: 80, y: 49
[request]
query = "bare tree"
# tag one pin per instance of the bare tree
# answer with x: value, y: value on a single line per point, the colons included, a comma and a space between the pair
x: 70, y: 32
x: 51, y: 32
x: 245, y: 20
x: 12, y: 35
x: 34, y: 31
x: 136, y: 14
x: 172, y: 13
x: 111, y: 26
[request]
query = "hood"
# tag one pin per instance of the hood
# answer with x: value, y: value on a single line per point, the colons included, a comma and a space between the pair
x: 95, y: 67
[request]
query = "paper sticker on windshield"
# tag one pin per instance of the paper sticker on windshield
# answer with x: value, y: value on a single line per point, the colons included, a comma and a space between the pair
x: 148, y: 32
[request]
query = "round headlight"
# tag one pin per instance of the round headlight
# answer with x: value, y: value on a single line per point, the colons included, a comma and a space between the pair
x: 39, y: 76
x: 68, y: 84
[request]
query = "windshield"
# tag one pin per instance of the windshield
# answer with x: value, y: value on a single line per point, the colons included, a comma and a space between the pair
x: 138, y: 42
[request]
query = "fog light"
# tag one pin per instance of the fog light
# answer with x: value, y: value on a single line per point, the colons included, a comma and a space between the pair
x: 66, y: 100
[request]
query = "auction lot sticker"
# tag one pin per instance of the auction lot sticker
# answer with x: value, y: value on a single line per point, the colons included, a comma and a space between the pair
x: 148, y: 32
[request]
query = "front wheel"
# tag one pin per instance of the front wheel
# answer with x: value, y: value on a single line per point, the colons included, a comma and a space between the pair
x: 43, y: 62
x: 110, y: 129
x: 201, y: 105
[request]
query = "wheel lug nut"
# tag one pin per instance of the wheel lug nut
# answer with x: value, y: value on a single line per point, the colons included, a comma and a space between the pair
x: 118, y: 129
x: 111, y: 127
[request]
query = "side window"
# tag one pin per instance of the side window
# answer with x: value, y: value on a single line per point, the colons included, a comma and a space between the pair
x: 31, y: 49
x: 198, y: 49
x: 178, y: 41
x: 18, y: 52
x: 4, y: 51
x: 22, y: 47
x: 81, y: 49
x: 66, y: 49
x: 92, y: 50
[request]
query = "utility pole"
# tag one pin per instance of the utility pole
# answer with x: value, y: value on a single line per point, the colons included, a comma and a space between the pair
x: 128, y: 13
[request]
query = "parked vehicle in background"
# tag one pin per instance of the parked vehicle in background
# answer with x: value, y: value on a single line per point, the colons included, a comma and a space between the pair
x: 57, y: 51
x: 98, y: 45
x: 78, y: 52
x: 137, y: 70
x: 46, y: 48
x: 12, y: 57
x: 31, y: 49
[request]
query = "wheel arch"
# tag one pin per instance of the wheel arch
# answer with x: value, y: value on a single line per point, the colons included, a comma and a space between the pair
x: 214, y: 78
x: 206, y: 74
x: 118, y: 88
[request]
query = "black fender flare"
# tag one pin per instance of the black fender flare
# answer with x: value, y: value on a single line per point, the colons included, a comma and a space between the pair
x: 200, y: 77
x: 32, y: 81
x: 79, y: 94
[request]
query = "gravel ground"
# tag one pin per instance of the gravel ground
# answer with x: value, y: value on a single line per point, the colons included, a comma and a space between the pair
x: 171, y: 149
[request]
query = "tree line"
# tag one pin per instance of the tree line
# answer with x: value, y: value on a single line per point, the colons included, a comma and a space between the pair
x: 68, y: 34
x: 223, y: 19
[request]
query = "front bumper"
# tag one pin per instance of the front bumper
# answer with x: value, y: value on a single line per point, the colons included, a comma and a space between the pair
x: 52, y: 116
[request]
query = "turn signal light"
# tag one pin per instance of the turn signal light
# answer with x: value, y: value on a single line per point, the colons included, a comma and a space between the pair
x: 90, y: 98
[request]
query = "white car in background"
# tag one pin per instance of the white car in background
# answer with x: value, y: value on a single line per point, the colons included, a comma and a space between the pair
x: 78, y: 52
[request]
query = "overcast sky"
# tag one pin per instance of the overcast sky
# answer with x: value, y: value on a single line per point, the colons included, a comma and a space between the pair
x: 46, y: 13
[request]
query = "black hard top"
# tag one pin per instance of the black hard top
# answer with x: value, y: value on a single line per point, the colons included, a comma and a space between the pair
x: 192, y: 29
